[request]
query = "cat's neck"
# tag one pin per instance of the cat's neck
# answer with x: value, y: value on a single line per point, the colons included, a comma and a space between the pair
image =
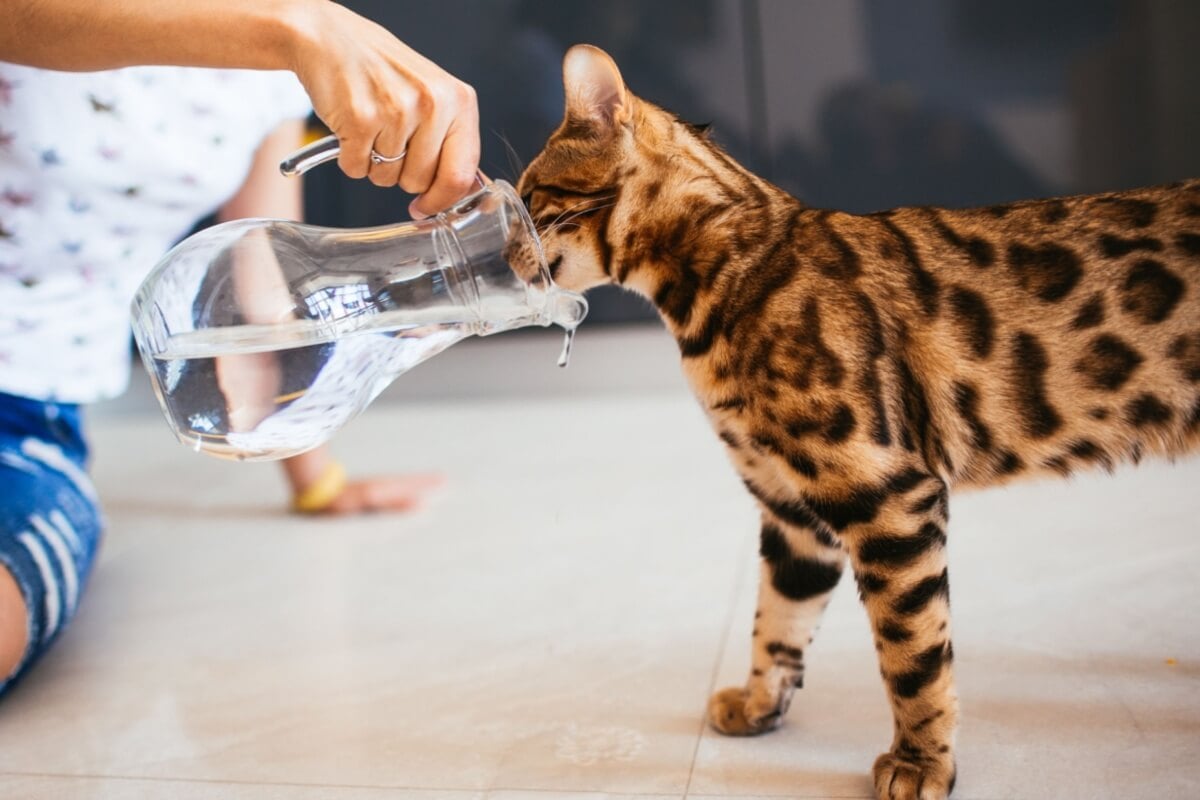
x: 694, y: 216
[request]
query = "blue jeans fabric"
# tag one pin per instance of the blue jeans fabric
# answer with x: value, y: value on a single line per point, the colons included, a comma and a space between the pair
x: 50, y: 518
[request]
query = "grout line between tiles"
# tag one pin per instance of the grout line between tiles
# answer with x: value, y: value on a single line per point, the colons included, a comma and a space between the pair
x: 738, y: 582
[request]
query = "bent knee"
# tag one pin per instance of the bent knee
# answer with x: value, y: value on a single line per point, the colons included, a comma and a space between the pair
x: 14, y: 625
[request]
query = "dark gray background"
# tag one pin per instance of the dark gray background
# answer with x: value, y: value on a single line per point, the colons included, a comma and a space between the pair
x: 852, y: 104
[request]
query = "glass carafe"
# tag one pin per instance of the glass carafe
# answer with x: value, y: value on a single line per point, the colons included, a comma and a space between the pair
x: 263, y: 337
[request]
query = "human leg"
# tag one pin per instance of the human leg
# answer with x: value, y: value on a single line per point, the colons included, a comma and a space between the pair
x: 50, y: 526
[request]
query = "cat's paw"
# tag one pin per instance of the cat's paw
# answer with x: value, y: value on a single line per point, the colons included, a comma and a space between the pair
x: 901, y: 779
x: 734, y: 712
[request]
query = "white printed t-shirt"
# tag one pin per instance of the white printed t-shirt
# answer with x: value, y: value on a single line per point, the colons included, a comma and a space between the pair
x: 100, y: 174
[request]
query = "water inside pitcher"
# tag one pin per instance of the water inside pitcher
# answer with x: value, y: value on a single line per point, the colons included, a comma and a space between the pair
x: 263, y: 337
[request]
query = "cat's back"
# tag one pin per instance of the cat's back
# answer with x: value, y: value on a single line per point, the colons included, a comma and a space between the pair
x: 1049, y: 333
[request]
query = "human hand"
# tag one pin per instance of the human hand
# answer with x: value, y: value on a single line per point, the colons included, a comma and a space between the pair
x: 375, y: 92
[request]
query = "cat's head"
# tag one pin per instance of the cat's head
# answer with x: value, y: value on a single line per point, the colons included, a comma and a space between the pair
x: 582, y: 189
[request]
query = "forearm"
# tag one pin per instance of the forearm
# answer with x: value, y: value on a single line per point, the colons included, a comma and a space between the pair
x: 265, y: 192
x: 81, y: 35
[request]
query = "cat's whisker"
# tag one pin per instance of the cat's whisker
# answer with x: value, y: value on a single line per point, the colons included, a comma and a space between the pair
x: 575, y: 210
x: 514, y: 160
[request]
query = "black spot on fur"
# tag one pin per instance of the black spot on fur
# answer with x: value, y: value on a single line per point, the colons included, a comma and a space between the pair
x: 1059, y: 464
x: 862, y: 504
x: 802, y: 464
x: 869, y: 382
x: 869, y: 583
x: 1109, y: 364
x: 894, y: 631
x: 762, y: 280
x: 841, y: 425
x: 812, y: 358
x: 1188, y: 243
x: 1100, y: 414
x: 1031, y: 364
x: 845, y: 263
x: 936, y: 501
x: 1146, y: 409
x: 603, y: 218
x: 1090, y: 313
x: 795, y: 513
x: 734, y: 403
x: 974, y: 320
x: 897, y: 551
x: 978, y: 250
x: 1113, y: 246
x: 917, y: 431
x: 904, y: 482
x: 795, y: 577
x: 1185, y: 351
x: 1089, y: 451
x: 1151, y: 292
x: 703, y: 341
x: 1009, y: 463
x: 928, y: 665
x: 1048, y: 271
x: 781, y: 649
x: 918, y: 597
x: 921, y: 281
x: 927, y: 721
x: 1130, y: 211
x: 677, y: 296
x: 1054, y: 211
x: 966, y: 400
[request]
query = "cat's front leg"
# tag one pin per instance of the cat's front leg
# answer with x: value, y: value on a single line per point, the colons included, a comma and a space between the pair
x: 800, y: 567
x: 899, y: 563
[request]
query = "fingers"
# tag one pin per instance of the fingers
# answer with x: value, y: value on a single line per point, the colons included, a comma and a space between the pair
x: 354, y: 157
x: 455, y: 172
x: 440, y: 157
x: 389, y: 144
x: 401, y: 493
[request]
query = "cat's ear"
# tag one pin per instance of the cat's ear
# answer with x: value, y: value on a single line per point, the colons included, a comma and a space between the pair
x: 595, y: 91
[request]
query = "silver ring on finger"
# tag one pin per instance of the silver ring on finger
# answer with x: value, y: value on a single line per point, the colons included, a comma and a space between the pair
x: 380, y: 158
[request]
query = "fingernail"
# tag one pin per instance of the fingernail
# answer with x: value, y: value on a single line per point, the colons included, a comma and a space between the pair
x: 415, y: 212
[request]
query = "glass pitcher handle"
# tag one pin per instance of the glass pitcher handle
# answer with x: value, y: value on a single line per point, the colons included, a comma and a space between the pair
x: 309, y: 156
x: 327, y: 149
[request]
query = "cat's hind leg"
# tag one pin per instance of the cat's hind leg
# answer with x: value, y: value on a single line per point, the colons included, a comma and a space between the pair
x: 800, y: 566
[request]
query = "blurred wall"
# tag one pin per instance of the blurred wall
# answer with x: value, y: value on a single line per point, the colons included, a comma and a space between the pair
x: 854, y: 104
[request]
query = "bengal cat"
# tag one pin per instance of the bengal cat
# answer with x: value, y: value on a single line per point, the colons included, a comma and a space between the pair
x: 858, y: 367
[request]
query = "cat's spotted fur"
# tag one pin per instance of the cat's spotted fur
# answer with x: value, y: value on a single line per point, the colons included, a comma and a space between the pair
x: 858, y: 367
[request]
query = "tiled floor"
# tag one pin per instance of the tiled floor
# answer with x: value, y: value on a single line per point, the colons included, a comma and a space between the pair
x: 553, y: 624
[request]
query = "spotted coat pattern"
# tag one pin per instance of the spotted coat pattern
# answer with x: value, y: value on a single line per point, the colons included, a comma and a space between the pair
x: 859, y: 367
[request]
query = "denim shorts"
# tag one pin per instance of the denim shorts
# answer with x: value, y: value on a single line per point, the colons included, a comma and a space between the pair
x: 50, y: 519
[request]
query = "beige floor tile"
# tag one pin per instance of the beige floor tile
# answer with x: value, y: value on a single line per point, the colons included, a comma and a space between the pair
x: 550, y: 623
